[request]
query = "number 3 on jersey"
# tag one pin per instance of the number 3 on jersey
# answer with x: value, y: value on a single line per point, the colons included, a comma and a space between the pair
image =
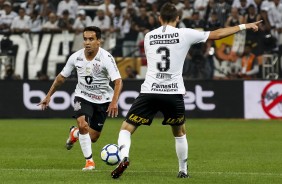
x: 164, y: 65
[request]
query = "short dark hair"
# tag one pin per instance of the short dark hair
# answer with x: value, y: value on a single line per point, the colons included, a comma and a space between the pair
x: 66, y: 12
x: 251, y: 6
x: 95, y: 29
x: 169, y: 12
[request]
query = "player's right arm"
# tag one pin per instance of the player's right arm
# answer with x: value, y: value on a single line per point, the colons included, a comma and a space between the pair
x: 59, y: 80
x: 224, y: 32
x: 56, y: 84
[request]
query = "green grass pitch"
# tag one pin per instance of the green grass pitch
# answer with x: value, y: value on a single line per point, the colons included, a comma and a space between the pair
x: 220, y: 151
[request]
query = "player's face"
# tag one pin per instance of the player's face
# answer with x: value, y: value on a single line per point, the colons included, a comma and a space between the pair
x: 91, y: 43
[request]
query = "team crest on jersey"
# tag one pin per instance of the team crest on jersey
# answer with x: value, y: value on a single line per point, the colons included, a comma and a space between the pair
x: 96, y: 68
x: 77, y: 106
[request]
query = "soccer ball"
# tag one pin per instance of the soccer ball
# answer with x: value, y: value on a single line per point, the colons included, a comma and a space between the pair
x: 110, y: 154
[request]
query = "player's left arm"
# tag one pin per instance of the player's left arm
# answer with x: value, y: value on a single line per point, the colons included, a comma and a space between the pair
x: 114, y: 74
x: 224, y: 32
x: 113, y: 107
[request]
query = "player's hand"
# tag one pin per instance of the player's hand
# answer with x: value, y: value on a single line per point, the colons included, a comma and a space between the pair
x: 112, y: 110
x: 44, y: 103
x: 253, y: 25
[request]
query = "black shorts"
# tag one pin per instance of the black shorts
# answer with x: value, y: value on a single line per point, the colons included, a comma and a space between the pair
x: 95, y: 114
x: 146, y: 105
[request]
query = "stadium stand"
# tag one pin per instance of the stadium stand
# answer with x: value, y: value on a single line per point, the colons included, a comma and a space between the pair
x: 125, y: 22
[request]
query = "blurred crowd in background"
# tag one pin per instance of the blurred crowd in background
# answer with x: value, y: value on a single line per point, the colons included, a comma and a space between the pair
x: 125, y: 22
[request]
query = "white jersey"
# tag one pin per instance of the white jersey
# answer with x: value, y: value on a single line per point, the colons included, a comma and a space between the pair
x: 93, y: 76
x: 166, y: 48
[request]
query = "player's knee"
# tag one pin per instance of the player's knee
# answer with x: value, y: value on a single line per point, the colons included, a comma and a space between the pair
x: 82, y: 125
x: 179, y: 131
x: 129, y: 127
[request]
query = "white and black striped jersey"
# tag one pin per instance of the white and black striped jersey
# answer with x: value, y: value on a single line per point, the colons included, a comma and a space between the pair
x: 93, y: 76
x: 166, y: 48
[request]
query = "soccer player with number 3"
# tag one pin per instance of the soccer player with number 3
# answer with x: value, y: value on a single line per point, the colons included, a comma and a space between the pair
x: 162, y: 91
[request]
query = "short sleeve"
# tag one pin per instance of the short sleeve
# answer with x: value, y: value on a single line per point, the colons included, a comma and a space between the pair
x: 193, y: 36
x: 66, y: 72
x: 112, y: 68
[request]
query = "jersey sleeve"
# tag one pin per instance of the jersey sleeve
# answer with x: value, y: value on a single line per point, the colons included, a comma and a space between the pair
x: 66, y: 72
x: 193, y: 36
x: 112, y: 68
x: 146, y: 41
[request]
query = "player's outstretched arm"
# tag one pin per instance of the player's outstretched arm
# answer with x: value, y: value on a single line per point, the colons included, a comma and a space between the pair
x: 224, y: 32
x: 56, y: 84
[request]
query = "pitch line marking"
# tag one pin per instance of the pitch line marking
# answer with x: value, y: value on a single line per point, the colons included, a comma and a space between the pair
x: 196, y: 172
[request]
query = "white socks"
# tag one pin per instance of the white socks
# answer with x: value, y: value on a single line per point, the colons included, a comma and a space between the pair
x: 124, y: 142
x: 85, y: 144
x: 181, y: 146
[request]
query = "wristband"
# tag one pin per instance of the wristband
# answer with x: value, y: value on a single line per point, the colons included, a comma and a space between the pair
x: 242, y: 27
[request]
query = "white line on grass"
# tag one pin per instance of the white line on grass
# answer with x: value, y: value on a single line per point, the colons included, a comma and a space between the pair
x: 130, y: 171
